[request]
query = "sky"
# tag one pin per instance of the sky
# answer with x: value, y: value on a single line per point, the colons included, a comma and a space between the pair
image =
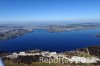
x: 48, y: 10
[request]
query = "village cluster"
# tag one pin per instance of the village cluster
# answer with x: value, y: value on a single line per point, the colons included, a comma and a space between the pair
x: 54, y: 57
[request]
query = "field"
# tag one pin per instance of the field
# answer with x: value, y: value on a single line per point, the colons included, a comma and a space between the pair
x: 9, y: 63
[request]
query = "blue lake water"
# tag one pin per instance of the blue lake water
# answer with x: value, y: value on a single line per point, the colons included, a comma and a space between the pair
x: 58, y: 41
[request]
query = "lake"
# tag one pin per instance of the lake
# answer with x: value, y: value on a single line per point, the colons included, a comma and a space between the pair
x: 57, y: 41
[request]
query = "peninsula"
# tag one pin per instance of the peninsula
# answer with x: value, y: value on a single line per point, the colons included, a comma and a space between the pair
x: 10, y: 31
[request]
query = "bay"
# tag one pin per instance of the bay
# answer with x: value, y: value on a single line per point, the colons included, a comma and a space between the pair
x: 55, y: 41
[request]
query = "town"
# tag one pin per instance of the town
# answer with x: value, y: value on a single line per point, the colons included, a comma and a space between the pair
x: 77, y: 56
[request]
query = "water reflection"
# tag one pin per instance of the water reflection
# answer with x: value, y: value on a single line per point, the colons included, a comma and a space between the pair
x: 1, y: 63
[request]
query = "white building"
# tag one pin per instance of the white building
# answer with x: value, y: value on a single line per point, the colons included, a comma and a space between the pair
x: 75, y: 59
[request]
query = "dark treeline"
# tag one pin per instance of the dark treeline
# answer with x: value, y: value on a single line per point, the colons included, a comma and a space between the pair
x: 94, y: 50
x: 3, y: 53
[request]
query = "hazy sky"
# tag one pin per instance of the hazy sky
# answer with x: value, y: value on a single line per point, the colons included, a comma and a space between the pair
x: 48, y: 10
